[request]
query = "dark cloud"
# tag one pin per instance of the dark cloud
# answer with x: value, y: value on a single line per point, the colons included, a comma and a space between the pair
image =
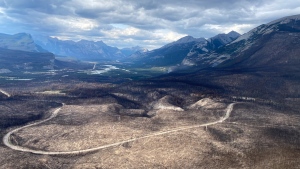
x: 44, y: 6
x: 145, y: 22
x: 89, y: 13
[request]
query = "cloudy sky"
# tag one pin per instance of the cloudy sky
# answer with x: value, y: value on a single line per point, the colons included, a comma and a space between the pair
x: 147, y: 23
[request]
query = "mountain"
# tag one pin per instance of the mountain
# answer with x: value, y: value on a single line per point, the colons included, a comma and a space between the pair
x: 200, y: 54
x: 168, y: 55
x: 276, y: 44
x: 20, y: 41
x: 185, y: 51
x: 223, y: 39
x: 19, y: 53
x: 82, y: 50
x: 263, y: 63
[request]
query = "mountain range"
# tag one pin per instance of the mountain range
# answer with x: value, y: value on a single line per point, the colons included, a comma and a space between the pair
x: 275, y: 44
x: 263, y: 63
x: 85, y: 50
x: 82, y: 50
x: 272, y: 44
x: 181, y: 51
x: 169, y: 55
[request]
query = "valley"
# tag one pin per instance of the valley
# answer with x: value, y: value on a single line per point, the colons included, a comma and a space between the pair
x: 229, y: 101
x: 140, y: 123
x: 116, y: 73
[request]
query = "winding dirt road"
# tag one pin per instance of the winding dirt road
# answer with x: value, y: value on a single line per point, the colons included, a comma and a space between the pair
x: 6, y: 138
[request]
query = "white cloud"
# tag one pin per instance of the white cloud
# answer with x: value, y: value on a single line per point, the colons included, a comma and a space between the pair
x: 73, y: 24
x: 241, y: 28
x: 149, y: 39
x: 146, y: 23
x: 167, y: 35
x: 119, y: 32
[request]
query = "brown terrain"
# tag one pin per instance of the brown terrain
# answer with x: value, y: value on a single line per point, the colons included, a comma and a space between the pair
x: 255, y: 135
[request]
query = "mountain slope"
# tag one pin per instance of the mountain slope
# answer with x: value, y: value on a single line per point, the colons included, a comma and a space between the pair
x: 20, y: 41
x: 276, y: 44
x: 263, y: 63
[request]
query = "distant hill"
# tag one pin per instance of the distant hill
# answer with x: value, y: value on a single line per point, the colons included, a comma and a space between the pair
x: 20, y: 41
x: 16, y: 60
